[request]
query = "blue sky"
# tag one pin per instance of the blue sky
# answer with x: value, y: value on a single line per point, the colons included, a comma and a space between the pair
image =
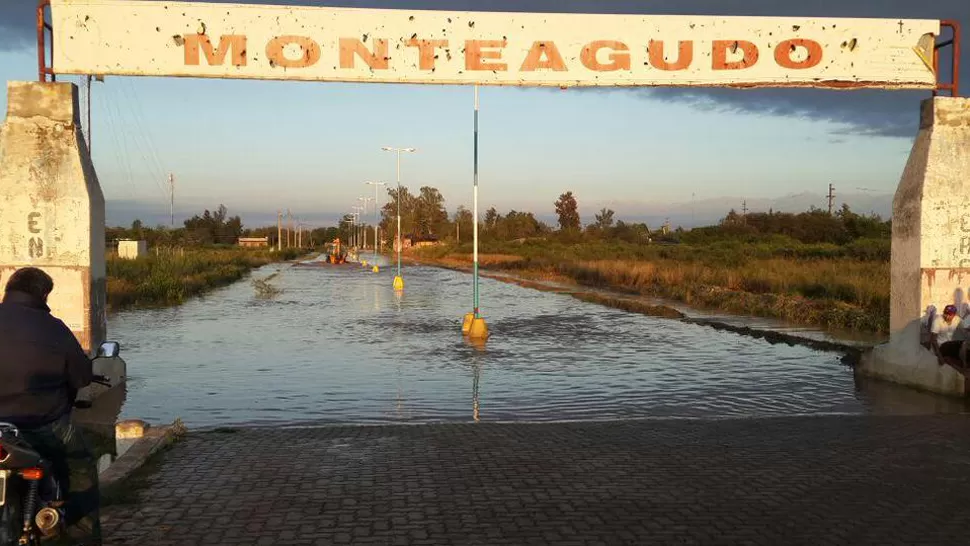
x: 310, y: 146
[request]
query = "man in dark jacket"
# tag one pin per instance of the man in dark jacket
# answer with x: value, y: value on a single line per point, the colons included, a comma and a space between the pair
x: 42, y: 367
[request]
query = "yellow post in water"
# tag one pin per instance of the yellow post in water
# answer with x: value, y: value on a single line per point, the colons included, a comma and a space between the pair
x: 478, y: 330
x: 376, y: 269
x: 364, y: 263
x: 398, y: 283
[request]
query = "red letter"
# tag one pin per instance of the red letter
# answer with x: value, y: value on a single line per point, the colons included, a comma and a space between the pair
x: 533, y: 61
x: 749, y: 54
x: 235, y: 42
x: 274, y: 52
x: 475, y: 57
x: 785, y: 49
x: 378, y: 60
x: 426, y: 49
x: 658, y: 60
x: 618, y: 61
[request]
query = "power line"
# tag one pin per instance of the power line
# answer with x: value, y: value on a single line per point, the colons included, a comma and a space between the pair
x: 117, y: 145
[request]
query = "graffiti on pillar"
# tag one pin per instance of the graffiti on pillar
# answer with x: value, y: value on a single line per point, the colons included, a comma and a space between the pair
x: 35, y: 246
x: 963, y: 249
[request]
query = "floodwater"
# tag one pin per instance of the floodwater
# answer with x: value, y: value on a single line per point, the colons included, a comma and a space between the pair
x: 338, y: 345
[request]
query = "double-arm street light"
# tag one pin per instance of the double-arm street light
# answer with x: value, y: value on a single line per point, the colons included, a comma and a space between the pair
x: 399, y: 280
x: 363, y: 225
x: 377, y: 186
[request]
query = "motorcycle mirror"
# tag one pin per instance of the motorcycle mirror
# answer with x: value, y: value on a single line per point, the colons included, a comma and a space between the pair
x: 109, y: 349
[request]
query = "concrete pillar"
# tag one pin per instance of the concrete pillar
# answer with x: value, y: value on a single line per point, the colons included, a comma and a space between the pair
x: 930, y: 246
x: 51, y: 205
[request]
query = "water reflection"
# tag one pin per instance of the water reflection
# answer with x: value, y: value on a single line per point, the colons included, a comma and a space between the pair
x: 339, y: 345
x: 477, y: 371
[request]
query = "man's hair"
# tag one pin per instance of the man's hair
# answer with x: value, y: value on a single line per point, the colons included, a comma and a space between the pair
x: 31, y: 280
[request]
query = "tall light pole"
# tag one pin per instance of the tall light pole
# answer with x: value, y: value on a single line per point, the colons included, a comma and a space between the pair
x: 398, y: 280
x: 377, y: 221
x: 350, y: 232
x: 356, y: 225
x: 364, y: 201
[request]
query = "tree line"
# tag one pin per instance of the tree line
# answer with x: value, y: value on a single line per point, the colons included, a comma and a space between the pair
x: 424, y: 216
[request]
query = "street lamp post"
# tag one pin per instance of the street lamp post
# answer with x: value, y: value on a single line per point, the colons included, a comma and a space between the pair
x: 353, y: 228
x: 356, y: 226
x: 398, y: 280
x: 377, y: 221
x: 363, y: 226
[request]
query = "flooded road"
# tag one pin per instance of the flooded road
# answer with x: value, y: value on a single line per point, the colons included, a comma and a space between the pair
x: 339, y: 346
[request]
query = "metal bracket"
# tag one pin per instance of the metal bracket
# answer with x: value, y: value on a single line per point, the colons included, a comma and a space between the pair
x: 954, y: 43
x: 44, y: 73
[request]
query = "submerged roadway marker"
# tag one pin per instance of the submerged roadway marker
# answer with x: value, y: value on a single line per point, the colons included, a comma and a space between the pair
x: 477, y: 328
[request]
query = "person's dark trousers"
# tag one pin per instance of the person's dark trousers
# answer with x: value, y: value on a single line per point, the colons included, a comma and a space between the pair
x: 75, y: 466
x: 951, y: 349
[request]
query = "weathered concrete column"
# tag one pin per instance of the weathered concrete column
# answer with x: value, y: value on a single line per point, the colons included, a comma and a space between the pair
x: 51, y: 205
x: 930, y: 246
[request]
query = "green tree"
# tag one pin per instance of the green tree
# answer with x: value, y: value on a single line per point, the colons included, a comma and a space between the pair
x: 464, y: 219
x: 491, y: 219
x: 604, y: 219
x: 568, y: 211
x: 431, y: 214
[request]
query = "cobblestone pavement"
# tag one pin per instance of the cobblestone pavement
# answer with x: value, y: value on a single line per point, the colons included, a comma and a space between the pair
x: 804, y: 480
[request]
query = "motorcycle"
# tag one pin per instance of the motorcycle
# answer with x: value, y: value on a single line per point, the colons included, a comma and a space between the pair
x: 31, y: 498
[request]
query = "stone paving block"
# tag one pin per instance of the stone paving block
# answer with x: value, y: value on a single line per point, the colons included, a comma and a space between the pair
x: 840, y: 480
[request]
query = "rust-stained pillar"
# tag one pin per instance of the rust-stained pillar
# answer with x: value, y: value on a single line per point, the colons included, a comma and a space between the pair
x: 51, y: 205
x: 930, y: 246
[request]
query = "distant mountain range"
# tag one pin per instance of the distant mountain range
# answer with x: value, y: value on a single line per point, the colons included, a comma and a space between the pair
x: 701, y: 212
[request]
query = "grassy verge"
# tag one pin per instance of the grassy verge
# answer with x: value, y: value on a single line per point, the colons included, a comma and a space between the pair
x: 173, y: 275
x: 794, y: 284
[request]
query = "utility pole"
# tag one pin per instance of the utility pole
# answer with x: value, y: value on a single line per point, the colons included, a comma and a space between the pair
x: 299, y: 236
x: 831, y: 198
x: 289, y: 227
x: 692, y: 221
x: 279, y: 230
x: 744, y: 211
x: 171, y: 193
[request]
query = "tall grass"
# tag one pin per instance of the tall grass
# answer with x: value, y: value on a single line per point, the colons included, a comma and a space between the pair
x: 828, y: 285
x: 836, y: 293
x: 170, y: 276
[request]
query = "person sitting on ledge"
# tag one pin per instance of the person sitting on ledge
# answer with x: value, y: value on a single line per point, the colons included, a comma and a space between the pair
x: 948, y: 336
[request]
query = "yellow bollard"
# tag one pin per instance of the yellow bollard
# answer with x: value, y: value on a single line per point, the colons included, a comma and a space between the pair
x: 376, y: 269
x: 466, y: 323
x: 478, y: 330
x: 364, y: 263
x: 398, y: 283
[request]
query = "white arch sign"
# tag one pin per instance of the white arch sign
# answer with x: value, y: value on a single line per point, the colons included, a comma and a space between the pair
x: 205, y: 40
